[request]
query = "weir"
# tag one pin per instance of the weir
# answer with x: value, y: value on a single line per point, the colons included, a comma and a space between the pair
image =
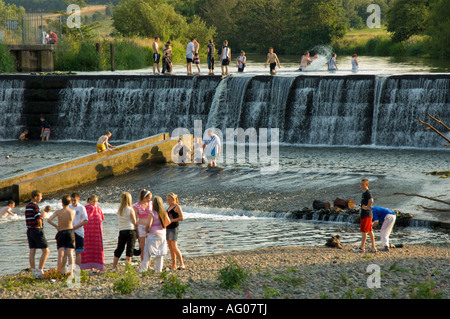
x: 352, y: 110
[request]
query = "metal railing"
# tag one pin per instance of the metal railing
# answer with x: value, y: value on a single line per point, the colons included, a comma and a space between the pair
x: 29, y: 28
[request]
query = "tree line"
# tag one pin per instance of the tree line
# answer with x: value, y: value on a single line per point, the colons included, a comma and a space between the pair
x: 289, y: 26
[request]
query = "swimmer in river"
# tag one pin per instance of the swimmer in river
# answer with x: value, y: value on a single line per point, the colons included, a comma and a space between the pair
x: 306, y: 59
x: 7, y: 210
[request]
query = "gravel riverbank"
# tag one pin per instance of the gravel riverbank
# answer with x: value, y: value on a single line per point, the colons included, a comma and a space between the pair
x: 414, y: 271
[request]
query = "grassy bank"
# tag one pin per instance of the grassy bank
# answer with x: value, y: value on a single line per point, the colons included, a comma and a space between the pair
x: 377, y: 42
x: 129, y: 54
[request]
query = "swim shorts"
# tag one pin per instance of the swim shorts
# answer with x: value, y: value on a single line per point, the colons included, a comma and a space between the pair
x: 101, y: 148
x: 156, y: 57
x: 366, y: 224
x: 272, y: 66
x: 65, y: 239
x: 36, y: 238
x: 196, y: 59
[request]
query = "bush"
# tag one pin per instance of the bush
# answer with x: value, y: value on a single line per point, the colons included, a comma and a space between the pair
x: 75, y: 55
x: 6, y: 60
x: 128, y: 282
x: 233, y: 275
x: 172, y: 286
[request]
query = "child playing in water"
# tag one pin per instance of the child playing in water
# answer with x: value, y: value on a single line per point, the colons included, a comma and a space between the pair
x: 7, y: 210
x: 272, y: 58
x: 46, y: 211
x: 198, y: 151
x: 23, y: 137
x: 102, y: 143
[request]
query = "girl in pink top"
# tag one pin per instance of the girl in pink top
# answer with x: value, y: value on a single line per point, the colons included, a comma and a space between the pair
x: 142, y: 210
x: 155, y: 243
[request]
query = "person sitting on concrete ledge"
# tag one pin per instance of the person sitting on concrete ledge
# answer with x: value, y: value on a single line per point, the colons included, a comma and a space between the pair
x: 102, y: 143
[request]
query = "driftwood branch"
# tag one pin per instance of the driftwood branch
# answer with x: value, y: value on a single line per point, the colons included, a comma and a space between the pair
x: 430, y: 198
x: 438, y: 120
x: 434, y: 209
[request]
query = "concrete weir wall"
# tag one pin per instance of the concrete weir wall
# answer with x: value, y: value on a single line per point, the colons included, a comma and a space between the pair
x: 121, y: 160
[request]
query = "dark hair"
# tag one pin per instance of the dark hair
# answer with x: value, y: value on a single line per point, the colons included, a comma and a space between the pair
x: 65, y: 200
x: 11, y: 202
x: 35, y: 193
x: 75, y: 195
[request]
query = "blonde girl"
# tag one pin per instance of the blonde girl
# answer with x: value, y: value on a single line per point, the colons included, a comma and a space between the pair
x: 176, y: 215
x: 127, y: 229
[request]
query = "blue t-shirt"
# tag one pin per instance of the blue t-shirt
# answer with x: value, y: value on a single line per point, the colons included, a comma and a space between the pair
x: 379, y: 213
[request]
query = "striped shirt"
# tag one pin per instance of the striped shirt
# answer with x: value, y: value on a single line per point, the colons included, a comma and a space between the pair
x: 32, y: 215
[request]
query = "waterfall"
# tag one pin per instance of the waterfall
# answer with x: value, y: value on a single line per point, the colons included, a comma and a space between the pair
x: 349, y: 110
x: 11, y: 105
x: 402, y: 101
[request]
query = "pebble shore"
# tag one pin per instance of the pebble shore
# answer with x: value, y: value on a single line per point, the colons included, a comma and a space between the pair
x: 287, y: 273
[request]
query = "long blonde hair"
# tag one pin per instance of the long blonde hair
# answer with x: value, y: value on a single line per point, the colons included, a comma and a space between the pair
x: 125, y: 201
x: 174, y: 197
x: 159, y: 208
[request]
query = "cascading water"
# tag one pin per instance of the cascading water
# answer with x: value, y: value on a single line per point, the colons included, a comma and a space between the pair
x: 11, y: 105
x: 314, y: 110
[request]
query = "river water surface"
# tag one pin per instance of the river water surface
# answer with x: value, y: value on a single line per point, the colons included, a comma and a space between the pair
x: 236, y: 207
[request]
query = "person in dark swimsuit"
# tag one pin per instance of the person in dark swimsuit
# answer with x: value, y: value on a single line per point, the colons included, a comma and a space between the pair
x: 175, y: 215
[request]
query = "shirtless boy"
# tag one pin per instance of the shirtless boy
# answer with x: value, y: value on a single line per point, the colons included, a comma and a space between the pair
x: 65, y: 237
x: 272, y: 58
x: 305, y: 60
x: 7, y: 210
x: 156, y: 55
x: 102, y: 143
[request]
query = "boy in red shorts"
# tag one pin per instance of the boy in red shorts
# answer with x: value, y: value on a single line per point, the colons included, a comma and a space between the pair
x: 366, y: 217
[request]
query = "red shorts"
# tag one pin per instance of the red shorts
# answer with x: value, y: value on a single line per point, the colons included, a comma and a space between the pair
x: 366, y: 224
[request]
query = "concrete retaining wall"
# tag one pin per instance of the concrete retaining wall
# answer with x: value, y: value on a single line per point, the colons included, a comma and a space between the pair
x: 113, y: 164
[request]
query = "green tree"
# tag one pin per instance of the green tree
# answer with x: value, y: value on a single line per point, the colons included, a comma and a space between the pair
x: 258, y: 25
x: 439, y: 27
x: 313, y: 22
x: 152, y: 18
x: 406, y: 18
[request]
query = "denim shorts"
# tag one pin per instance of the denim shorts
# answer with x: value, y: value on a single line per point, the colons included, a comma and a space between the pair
x: 172, y: 234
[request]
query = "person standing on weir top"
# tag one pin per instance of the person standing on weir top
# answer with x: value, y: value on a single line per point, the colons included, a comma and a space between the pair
x: 156, y: 55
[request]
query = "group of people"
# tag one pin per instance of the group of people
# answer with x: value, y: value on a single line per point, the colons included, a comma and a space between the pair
x: 49, y: 38
x: 166, y: 59
x: 193, y: 58
x: 331, y: 64
x: 80, y: 230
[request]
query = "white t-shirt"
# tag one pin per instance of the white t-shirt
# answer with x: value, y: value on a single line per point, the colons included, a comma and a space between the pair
x: 189, y: 49
x: 331, y: 66
x: 125, y: 220
x: 80, y: 216
x: 225, y: 51
x: 212, y: 144
x: 354, y: 65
